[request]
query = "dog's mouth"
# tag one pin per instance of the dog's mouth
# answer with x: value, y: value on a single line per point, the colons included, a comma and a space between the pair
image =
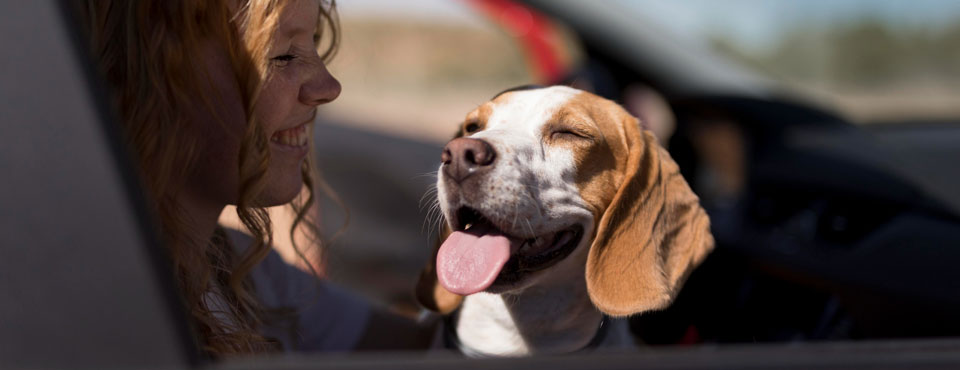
x: 479, y: 255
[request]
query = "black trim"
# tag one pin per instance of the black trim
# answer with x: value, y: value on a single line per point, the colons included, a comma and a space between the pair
x: 159, y: 259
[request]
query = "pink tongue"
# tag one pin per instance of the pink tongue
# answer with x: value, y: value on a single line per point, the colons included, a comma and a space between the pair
x: 469, y: 261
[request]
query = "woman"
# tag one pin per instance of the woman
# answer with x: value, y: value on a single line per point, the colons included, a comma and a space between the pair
x: 216, y: 99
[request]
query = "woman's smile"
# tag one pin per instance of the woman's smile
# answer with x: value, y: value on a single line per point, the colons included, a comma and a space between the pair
x: 296, y: 138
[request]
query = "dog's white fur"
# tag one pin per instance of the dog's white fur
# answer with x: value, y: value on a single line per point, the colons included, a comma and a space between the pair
x: 531, y: 189
x: 530, y: 192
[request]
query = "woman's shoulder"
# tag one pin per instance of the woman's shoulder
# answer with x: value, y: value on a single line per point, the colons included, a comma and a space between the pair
x: 276, y: 281
x: 330, y: 318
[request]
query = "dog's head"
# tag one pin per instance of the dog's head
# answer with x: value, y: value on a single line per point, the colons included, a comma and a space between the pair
x: 553, y: 180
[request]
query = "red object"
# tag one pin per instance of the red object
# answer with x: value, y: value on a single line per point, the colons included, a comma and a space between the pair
x: 532, y: 31
x: 691, y: 336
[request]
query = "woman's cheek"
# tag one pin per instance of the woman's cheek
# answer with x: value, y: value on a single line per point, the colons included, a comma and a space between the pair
x: 265, y: 115
x: 274, y: 102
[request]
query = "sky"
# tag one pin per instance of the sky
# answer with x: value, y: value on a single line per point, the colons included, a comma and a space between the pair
x: 752, y: 23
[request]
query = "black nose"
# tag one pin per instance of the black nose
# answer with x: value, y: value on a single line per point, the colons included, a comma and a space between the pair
x: 463, y: 157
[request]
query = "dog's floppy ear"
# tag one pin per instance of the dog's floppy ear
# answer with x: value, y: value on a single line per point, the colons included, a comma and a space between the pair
x: 650, y: 237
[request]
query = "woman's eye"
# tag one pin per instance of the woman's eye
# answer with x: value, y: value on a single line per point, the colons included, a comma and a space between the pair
x: 282, y: 60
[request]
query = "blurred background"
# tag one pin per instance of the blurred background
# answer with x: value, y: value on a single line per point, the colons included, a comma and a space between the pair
x: 820, y: 135
x: 414, y: 67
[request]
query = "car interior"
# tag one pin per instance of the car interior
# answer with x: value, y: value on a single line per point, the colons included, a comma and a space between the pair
x: 837, y: 242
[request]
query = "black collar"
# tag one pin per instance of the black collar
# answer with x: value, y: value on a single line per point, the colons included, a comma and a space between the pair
x: 452, y: 341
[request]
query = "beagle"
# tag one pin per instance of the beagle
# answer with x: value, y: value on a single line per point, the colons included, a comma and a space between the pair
x: 562, y: 213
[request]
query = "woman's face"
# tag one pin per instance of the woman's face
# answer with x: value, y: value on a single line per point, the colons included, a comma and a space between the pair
x: 297, y: 82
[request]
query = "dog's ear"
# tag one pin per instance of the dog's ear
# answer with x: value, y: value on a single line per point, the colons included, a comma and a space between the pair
x: 650, y: 237
x: 430, y: 294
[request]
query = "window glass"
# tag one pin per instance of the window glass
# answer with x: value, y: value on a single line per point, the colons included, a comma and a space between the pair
x: 415, y: 68
x: 874, y: 60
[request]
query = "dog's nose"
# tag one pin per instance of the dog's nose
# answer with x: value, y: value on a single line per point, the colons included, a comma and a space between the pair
x: 463, y: 157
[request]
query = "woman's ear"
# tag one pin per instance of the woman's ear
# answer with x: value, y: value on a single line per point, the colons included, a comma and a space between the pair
x: 650, y: 237
x: 429, y: 293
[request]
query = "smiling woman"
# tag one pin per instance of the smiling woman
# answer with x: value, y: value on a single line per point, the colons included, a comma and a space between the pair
x: 217, y: 101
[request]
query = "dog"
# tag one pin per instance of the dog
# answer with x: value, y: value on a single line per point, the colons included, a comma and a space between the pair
x: 562, y: 216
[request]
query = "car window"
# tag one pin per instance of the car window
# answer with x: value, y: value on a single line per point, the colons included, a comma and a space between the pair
x: 873, y: 60
x: 416, y: 69
x: 814, y: 247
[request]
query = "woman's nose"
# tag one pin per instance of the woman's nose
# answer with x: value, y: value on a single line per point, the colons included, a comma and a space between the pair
x: 320, y: 88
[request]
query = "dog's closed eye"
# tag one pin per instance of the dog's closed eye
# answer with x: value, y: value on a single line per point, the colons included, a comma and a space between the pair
x: 568, y: 133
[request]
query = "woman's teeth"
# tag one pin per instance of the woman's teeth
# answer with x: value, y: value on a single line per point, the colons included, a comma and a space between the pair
x: 296, y: 136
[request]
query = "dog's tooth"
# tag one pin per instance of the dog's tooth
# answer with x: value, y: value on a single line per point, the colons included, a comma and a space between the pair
x: 541, y: 241
x: 564, y: 237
